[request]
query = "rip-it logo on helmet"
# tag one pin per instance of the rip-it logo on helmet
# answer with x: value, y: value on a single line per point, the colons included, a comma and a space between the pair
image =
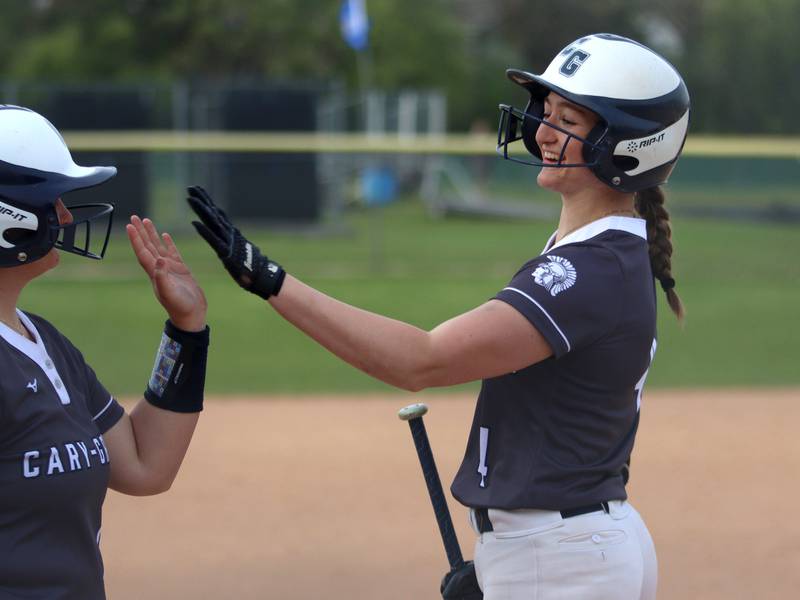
x: 14, y: 218
x: 36, y: 170
x: 641, y: 102
x: 648, y: 152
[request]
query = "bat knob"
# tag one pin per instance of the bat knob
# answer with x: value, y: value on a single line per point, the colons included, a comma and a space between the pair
x: 412, y: 411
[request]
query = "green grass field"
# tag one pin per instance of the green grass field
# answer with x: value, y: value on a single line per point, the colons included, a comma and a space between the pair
x: 740, y: 283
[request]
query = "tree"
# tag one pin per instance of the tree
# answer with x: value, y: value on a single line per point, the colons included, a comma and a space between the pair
x: 741, y: 63
x: 740, y: 59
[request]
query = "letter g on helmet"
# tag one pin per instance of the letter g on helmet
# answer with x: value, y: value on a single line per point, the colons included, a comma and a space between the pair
x: 640, y: 99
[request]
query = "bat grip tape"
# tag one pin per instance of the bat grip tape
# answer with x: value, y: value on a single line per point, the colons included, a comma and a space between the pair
x: 179, y: 373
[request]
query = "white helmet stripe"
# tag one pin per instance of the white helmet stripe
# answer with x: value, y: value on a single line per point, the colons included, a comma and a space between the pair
x: 657, y: 149
x: 31, y: 141
x: 591, y: 66
x: 15, y: 218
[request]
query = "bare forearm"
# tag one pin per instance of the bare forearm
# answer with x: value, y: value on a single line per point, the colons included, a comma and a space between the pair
x: 390, y: 350
x: 154, y: 442
x: 489, y: 340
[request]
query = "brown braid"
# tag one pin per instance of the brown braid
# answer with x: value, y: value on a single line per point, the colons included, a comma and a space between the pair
x: 650, y: 205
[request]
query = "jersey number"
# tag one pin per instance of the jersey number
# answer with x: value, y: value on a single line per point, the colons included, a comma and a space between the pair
x: 484, y: 447
x: 640, y: 384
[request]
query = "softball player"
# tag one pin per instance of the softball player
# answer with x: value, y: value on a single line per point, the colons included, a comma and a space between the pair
x: 63, y: 438
x: 563, y: 350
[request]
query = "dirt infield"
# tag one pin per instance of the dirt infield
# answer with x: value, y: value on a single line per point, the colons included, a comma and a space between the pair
x: 322, y: 498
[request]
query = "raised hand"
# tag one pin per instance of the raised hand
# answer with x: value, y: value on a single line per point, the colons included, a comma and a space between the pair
x: 243, y: 260
x: 173, y: 284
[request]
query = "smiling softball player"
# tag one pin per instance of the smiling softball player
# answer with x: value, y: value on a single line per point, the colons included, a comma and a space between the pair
x: 563, y: 350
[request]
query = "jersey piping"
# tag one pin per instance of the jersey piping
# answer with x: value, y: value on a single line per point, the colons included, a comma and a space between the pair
x: 632, y: 225
x: 546, y: 314
x: 105, y: 408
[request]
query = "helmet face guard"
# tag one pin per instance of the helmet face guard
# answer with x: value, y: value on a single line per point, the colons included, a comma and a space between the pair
x: 516, y: 124
x: 36, y: 169
x: 83, y: 217
x: 641, y: 102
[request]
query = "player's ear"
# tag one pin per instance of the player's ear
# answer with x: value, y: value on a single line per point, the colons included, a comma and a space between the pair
x: 64, y: 215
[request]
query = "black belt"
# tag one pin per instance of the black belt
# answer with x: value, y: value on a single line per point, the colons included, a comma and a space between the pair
x: 484, y: 524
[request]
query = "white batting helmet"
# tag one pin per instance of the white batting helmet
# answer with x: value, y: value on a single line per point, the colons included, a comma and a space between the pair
x: 36, y: 168
x: 640, y: 99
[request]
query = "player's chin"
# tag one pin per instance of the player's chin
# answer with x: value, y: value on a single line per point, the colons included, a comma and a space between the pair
x: 550, y: 178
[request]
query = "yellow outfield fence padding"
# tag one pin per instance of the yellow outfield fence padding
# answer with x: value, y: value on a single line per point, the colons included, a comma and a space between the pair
x: 224, y: 141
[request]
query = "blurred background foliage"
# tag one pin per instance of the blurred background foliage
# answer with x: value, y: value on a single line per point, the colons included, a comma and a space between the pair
x: 737, y: 279
x: 740, y: 58
x: 83, y: 62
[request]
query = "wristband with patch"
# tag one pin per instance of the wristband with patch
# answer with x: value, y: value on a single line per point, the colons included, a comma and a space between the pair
x: 179, y: 372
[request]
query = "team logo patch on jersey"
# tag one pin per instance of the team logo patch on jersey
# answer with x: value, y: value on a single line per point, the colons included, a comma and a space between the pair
x: 555, y: 276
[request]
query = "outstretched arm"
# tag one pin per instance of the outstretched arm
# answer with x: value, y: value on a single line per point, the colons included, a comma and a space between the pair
x: 488, y: 341
x: 147, y: 447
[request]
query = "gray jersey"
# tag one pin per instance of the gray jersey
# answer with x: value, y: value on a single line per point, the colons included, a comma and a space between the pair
x: 54, y: 466
x: 559, y: 434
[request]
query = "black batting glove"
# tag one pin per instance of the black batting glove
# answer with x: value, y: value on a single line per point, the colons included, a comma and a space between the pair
x: 242, y: 259
x: 461, y: 583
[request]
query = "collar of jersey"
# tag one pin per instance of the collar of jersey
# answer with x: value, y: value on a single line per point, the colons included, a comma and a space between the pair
x: 632, y: 225
x: 20, y: 342
x: 36, y: 351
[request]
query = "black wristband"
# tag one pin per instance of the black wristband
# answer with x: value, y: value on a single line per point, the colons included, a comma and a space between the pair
x: 179, y: 372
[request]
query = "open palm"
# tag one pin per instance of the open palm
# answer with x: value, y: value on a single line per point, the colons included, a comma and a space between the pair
x: 173, y: 283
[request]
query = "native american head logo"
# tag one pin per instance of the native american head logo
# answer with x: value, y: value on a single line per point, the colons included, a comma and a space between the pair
x: 555, y: 276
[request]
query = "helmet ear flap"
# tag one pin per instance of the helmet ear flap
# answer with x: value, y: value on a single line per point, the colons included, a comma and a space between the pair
x: 531, y: 126
x: 26, y: 231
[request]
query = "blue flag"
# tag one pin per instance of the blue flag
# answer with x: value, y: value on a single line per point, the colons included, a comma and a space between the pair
x: 354, y: 23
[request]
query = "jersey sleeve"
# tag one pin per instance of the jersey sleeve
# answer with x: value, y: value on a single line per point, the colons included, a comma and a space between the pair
x: 105, y: 409
x: 570, y: 294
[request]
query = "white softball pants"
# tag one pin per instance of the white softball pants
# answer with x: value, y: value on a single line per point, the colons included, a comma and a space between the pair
x: 538, y: 555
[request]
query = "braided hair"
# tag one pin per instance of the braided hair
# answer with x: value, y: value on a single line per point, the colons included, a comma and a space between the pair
x: 650, y: 205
